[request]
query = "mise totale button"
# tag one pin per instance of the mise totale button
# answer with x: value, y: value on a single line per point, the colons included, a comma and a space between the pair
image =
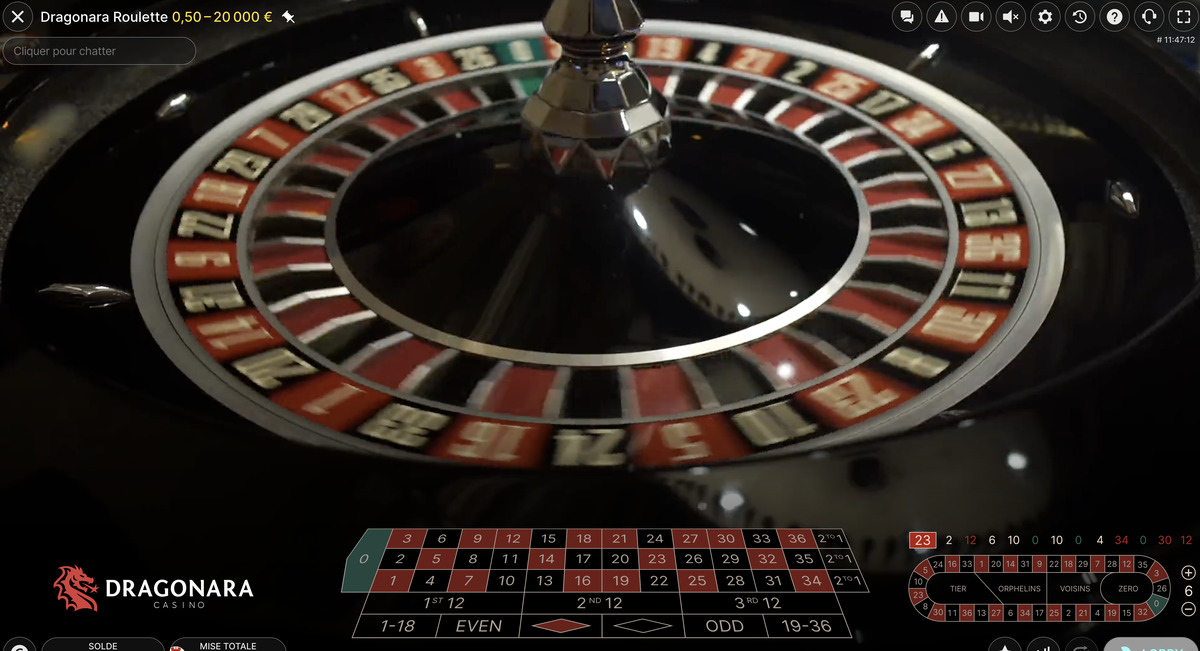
x: 228, y: 644
x: 102, y: 644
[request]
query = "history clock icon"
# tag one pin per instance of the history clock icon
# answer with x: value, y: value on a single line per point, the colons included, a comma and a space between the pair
x: 1081, y: 16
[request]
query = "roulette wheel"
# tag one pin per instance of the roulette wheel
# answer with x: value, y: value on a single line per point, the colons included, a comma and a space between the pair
x: 458, y: 272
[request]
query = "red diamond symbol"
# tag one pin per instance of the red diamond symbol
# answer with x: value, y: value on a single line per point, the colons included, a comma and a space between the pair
x: 561, y: 626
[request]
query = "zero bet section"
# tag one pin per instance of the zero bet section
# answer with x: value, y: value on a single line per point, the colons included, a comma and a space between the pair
x: 630, y: 583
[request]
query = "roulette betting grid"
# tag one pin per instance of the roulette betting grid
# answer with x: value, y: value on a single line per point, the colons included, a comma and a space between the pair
x: 609, y: 583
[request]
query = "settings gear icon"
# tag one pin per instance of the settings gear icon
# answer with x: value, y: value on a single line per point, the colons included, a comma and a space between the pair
x: 1045, y: 16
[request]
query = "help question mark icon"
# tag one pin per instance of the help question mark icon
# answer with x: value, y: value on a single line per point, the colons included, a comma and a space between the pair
x: 1114, y: 16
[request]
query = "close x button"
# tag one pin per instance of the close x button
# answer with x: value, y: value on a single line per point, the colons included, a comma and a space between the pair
x: 18, y: 17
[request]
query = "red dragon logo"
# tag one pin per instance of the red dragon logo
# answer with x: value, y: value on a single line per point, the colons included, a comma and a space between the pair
x: 73, y: 586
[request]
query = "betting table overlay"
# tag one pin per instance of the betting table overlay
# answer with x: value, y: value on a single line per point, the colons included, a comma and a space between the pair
x: 611, y: 583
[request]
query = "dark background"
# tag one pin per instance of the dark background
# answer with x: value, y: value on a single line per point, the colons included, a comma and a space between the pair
x: 133, y: 483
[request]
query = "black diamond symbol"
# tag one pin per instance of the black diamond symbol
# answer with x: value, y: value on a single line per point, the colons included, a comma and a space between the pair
x: 643, y: 626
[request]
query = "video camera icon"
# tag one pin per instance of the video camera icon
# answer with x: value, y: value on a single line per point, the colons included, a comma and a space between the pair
x: 977, y: 16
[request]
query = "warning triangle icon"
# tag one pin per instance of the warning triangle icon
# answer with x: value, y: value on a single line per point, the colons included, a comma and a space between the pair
x: 941, y: 17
